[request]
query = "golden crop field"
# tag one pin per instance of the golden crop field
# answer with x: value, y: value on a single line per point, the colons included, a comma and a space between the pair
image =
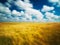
x: 29, y: 33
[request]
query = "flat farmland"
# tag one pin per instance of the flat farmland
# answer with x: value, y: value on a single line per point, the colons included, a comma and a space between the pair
x: 29, y: 33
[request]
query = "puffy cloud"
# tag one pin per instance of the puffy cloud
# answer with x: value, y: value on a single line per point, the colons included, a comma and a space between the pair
x: 23, y: 5
x: 55, y: 2
x: 4, y: 12
x: 47, y: 8
x: 52, y: 17
x: 16, y: 13
x: 34, y: 12
x: 27, y: 12
x: 4, y: 9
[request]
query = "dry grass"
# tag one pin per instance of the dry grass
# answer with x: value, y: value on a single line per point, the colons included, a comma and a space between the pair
x: 29, y: 33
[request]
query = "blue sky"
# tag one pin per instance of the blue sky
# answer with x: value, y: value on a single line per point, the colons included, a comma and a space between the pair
x: 29, y: 10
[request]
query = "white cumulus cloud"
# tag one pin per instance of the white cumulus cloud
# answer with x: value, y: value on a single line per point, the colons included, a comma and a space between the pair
x: 47, y: 8
x: 4, y: 9
x: 23, y: 5
x: 52, y: 17
x: 27, y: 13
x: 16, y: 13
x: 55, y: 2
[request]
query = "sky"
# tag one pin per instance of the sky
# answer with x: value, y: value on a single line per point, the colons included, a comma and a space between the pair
x: 29, y: 10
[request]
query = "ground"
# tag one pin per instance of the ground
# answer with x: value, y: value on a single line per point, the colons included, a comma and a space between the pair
x: 29, y: 33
